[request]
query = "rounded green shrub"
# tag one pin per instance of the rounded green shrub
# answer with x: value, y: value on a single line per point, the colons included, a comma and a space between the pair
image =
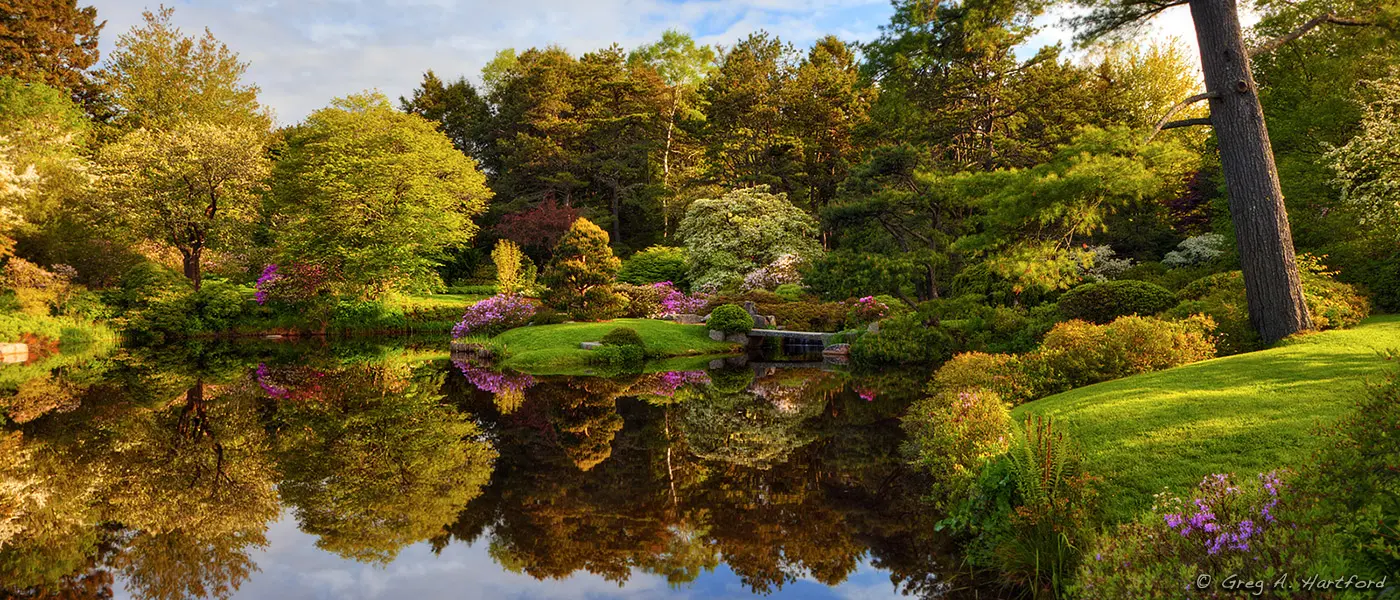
x: 654, y: 265
x: 792, y: 292
x: 954, y: 435
x: 903, y: 340
x: 619, y: 355
x: 731, y: 318
x: 623, y: 336
x: 1104, y: 302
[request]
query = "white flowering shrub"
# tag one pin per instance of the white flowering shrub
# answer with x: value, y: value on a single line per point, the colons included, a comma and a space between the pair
x: 1195, y: 250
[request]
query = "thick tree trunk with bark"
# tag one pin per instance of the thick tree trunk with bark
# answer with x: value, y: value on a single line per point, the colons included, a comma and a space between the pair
x: 1273, y: 288
x: 191, y: 264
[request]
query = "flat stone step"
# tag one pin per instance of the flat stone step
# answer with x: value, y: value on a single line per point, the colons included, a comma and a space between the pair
x: 794, y: 335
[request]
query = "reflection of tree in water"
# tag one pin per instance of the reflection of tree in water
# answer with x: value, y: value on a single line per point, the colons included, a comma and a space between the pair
x: 185, y: 480
x: 834, y: 493
x: 375, y: 461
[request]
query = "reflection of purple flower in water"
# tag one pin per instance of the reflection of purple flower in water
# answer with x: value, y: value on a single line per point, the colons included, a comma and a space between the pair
x: 276, y: 391
x: 666, y: 384
x: 495, y: 382
x: 867, y: 394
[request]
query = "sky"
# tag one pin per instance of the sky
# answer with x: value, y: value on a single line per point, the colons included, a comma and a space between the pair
x: 303, y: 53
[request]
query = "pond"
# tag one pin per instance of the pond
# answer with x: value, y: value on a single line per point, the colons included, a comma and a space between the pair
x: 374, y: 470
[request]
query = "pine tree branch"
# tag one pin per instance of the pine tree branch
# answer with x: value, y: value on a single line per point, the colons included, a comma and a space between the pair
x: 1167, y: 123
x: 1309, y: 25
x: 1186, y: 123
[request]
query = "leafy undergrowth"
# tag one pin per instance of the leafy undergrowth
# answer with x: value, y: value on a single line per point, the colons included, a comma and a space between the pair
x: 1243, y: 414
x: 548, y: 349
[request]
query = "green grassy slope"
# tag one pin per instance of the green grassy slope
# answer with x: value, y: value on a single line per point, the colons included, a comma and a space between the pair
x: 550, y: 348
x: 1243, y: 414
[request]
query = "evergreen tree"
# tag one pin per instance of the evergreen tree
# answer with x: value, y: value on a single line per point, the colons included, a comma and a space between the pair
x: 52, y: 42
x: 581, y: 274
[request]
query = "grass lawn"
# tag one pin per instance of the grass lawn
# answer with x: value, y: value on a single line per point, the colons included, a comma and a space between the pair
x: 1240, y: 414
x: 554, y: 349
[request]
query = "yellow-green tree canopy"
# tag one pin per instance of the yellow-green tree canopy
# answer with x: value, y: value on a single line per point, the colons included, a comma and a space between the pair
x: 376, y: 193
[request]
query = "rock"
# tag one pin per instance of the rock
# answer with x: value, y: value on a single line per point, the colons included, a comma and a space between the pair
x: 590, y: 345
x: 837, y: 350
x: 737, y: 338
x: 688, y: 319
x: 717, y: 335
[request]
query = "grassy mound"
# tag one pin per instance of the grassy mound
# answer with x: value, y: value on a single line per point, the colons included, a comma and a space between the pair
x: 547, y: 349
x: 1244, y: 414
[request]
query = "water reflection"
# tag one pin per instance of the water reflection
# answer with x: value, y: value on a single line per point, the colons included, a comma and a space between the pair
x: 163, y: 475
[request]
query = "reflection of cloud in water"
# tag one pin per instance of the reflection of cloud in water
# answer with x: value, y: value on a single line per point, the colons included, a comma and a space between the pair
x: 293, y: 568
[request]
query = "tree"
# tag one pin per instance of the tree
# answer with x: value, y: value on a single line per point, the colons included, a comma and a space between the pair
x: 581, y: 274
x: 727, y: 237
x: 1273, y: 286
x: 746, y: 139
x: 827, y: 102
x: 157, y: 77
x: 682, y: 66
x: 190, y: 186
x: 1368, y: 169
x: 539, y: 227
x: 43, y: 136
x: 510, y: 279
x: 376, y: 194
x: 52, y: 42
x: 460, y: 112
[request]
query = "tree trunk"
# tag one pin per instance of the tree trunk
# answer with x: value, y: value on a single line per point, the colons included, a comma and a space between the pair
x: 1273, y: 288
x: 192, y: 266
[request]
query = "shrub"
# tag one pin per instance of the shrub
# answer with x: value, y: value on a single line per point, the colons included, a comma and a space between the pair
x: 1104, y: 302
x: 545, y: 315
x: 366, y: 315
x: 640, y: 301
x: 782, y: 271
x: 1077, y: 353
x: 494, y: 315
x: 676, y: 302
x: 903, y: 340
x: 1196, y: 250
x: 792, y: 292
x: 218, y: 306
x: 1105, y: 265
x: 1249, y: 529
x: 1357, y: 477
x: 472, y: 290
x: 807, y: 316
x: 580, y: 276
x: 1001, y: 374
x: 866, y: 310
x: 623, y: 336
x: 619, y: 355
x: 731, y: 318
x: 654, y: 265
x: 1221, y: 296
x: 511, y: 276
x: 954, y: 435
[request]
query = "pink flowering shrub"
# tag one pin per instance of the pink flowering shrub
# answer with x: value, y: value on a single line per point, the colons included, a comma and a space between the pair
x: 1226, y: 527
x: 296, y: 284
x: 494, y: 315
x: 866, y: 310
x: 676, y: 302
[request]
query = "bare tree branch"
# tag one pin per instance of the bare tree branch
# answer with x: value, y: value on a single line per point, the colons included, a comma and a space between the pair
x: 1186, y: 123
x: 1309, y: 25
x: 1166, y: 119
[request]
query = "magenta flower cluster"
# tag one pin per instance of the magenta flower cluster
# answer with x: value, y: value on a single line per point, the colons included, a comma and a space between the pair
x: 494, y: 315
x: 666, y: 384
x: 1222, y: 518
x: 676, y: 302
x: 495, y: 382
x: 266, y: 282
x: 264, y: 378
x: 866, y: 310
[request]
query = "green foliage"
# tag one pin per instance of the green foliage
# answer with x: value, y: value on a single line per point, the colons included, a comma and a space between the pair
x: 730, y: 318
x: 729, y: 237
x: 1106, y: 301
x: 1055, y: 512
x: 641, y: 301
x: 376, y: 194
x: 619, y: 355
x: 1000, y: 374
x: 624, y: 336
x: 1221, y: 297
x: 903, y: 340
x: 1356, y: 476
x: 175, y: 313
x: 545, y: 315
x: 654, y: 265
x: 807, y: 316
x: 1076, y: 353
x: 993, y: 328
x: 580, y: 275
x: 1253, y: 530
x: 510, y: 277
x: 555, y: 348
x: 953, y: 436
x: 792, y: 292
x: 42, y: 162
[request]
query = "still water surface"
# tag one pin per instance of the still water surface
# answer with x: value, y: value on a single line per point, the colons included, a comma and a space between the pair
x: 374, y: 470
